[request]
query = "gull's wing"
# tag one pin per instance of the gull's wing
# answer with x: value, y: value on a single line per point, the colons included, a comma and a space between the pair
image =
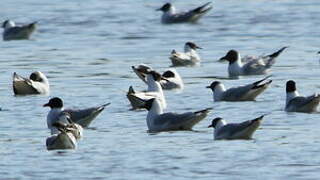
x: 184, y: 121
x: 84, y: 117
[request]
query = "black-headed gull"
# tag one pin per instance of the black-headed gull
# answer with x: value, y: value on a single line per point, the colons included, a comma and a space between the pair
x: 13, y: 32
x: 154, y: 91
x: 173, y: 79
x: 36, y: 84
x: 233, y: 131
x: 157, y: 120
x: 242, y: 93
x: 189, y: 57
x: 66, y: 136
x: 252, y: 66
x: 82, y: 117
x: 297, y: 103
x: 170, y: 15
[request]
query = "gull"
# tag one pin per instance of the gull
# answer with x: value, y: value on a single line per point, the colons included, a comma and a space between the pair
x: 154, y: 91
x: 157, y: 120
x: 253, y: 66
x: 170, y: 15
x: 190, y: 56
x: 36, y: 84
x: 82, y: 117
x: 233, y: 131
x: 297, y: 103
x: 66, y: 136
x: 173, y: 79
x: 13, y: 32
x: 242, y: 93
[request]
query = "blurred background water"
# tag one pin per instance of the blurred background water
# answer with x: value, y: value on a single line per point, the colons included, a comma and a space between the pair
x: 87, y: 48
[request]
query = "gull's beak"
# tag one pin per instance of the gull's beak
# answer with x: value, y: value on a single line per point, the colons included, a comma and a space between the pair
x: 199, y: 47
x: 223, y: 58
x: 210, y: 126
x: 45, y: 105
x: 208, y: 86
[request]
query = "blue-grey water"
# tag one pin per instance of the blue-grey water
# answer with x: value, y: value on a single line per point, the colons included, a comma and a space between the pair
x: 87, y: 48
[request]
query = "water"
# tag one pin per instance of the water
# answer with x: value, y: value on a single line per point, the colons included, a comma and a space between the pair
x: 87, y: 48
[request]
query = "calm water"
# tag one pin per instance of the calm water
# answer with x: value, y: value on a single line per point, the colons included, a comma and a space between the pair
x: 87, y: 48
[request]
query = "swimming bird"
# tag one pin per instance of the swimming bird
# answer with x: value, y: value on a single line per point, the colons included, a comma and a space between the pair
x: 234, y: 131
x: 82, y: 117
x: 154, y: 91
x: 297, y: 103
x: 247, y: 92
x: 170, y: 15
x: 173, y: 79
x: 36, y: 84
x: 13, y: 32
x: 66, y: 136
x: 190, y: 56
x: 157, y: 120
x: 253, y: 66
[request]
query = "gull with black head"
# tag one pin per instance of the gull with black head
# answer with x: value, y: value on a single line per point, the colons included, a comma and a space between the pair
x: 189, y: 57
x: 82, y: 117
x: 13, y: 32
x: 37, y: 83
x: 154, y: 90
x: 66, y: 136
x: 247, y: 92
x: 170, y: 15
x: 158, y: 121
x: 253, y: 66
x: 297, y: 103
x: 232, y: 131
x: 172, y: 78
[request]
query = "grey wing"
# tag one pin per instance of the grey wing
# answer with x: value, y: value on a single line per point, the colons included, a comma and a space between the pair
x: 84, y: 116
x: 183, y: 16
x: 174, y: 120
x: 256, y: 66
x: 236, y: 93
x: 17, y: 33
x: 301, y: 101
x: 233, y: 128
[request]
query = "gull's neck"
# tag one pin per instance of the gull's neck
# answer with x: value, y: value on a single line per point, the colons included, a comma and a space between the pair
x: 220, y: 124
x: 235, y: 68
x: 152, y: 84
x: 172, y: 10
x: 218, y: 92
x: 53, y: 116
x: 192, y: 53
x: 291, y: 95
x: 155, y: 111
x: 9, y: 25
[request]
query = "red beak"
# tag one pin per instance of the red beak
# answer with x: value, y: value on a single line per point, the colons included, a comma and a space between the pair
x: 45, y: 105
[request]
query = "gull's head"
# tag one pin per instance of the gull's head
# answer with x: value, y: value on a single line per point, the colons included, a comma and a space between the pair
x: 213, y: 85
x: 54, y: 103
x: 168, y: 74
x: 8, y: 24
x: 165, y: 8
x: 290, y: 86
x: 191, y: 45
x: 231, y: 56
x: 142, y: 68
x: 214, y: 122
x: 37, y: 76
